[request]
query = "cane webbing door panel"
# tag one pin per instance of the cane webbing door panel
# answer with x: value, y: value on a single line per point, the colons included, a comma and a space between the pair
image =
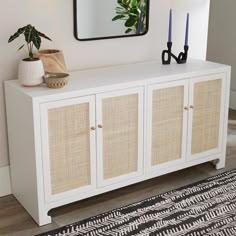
x: 120, y: 136
x: 206, y: 115
x: 166, y: 124
x: 69, y: 146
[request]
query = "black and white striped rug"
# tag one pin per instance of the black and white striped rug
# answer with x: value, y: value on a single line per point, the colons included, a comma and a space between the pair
x: 204, y: 208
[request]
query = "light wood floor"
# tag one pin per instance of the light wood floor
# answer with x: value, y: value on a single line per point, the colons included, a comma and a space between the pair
x: 14, y: 220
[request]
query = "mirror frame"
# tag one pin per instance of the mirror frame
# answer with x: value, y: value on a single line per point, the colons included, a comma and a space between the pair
x: 108, y: 37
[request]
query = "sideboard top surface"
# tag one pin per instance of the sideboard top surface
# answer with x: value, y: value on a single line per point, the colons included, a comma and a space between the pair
x: 101, y: 79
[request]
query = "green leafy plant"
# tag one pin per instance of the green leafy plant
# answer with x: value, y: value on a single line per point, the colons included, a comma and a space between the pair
x: 130, y: 12
x: 32, y: 38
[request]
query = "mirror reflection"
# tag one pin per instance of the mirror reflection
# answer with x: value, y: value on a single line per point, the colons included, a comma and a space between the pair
x: 99, y: 19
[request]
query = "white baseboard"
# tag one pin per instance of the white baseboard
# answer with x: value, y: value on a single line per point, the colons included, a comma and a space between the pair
x: 5, y: 181
x: 232, y: 103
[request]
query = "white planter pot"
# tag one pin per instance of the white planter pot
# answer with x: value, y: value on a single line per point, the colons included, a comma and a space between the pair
x: 30, y: 73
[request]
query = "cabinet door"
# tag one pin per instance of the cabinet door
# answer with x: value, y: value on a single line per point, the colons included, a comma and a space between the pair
x: 206, y: 115
x: 119, y: 135
x: 167, y: 114
x: 68, y: 142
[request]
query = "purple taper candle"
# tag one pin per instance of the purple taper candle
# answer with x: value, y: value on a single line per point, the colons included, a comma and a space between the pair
x: 170, y: 27
x: 187, y: 30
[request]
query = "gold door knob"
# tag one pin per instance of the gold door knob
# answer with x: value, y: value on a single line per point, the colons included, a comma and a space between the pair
x: 100, y: 126
x: 186, y: 108
x: 192, y: 106
x: 93, y: 128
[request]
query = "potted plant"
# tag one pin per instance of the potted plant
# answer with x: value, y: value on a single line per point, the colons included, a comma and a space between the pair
x: 133, y: 13
x: 30, y: 71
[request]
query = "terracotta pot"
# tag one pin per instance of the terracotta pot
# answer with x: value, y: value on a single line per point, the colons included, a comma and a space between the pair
x: 30, y: 72
x: 53, y: 61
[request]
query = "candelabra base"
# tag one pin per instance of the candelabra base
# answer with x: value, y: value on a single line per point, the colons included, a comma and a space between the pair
x: 167, y: 55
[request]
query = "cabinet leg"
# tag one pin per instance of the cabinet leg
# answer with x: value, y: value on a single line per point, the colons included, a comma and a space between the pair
x: 44, y: 219
x: 220, y: 164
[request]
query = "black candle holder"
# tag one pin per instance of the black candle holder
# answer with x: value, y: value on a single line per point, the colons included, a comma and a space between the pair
x: 167, y: 55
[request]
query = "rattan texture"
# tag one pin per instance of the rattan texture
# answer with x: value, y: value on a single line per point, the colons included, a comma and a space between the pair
x: 167, y: 124
x: 206, y: 115
x: 56, y: 82
x: 120, y: 135
x: 69, y: 145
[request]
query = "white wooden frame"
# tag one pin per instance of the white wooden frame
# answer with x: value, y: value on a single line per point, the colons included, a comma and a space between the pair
x: 29, y: 188
x: 99, y: 98
x: 192, y: 82
x: 149, y: 105
x: 45, y: 147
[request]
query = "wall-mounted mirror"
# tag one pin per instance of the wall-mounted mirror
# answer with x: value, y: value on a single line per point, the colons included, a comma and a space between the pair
x: 101, y: 19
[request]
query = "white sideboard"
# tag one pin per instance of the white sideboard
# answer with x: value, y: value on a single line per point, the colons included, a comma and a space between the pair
x: 112, y: 127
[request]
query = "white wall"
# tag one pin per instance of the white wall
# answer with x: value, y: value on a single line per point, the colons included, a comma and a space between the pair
x: 55, y: 18
x: 199, y: 14
x: 222, y: 38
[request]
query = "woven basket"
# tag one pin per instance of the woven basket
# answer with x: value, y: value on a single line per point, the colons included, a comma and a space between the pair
x: 56, y: 80
x: 53, y: 61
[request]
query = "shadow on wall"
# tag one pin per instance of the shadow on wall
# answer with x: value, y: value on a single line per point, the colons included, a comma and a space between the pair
x: 222, y: 38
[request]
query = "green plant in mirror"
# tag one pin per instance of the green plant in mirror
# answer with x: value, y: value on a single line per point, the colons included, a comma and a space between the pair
x: 32, y: 38
x: 133, y: 12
